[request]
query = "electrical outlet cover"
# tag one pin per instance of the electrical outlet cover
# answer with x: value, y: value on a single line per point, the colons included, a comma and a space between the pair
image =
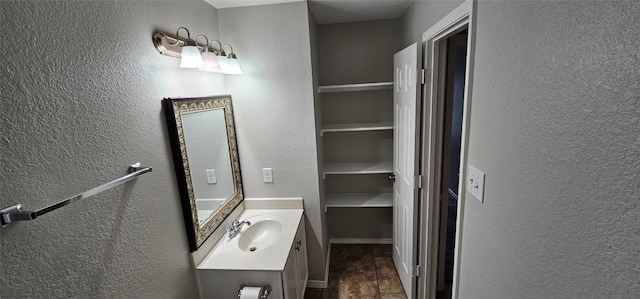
x: 475, y: 183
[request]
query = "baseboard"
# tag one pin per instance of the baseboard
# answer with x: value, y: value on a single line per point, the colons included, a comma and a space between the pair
x: 361, y: 240
x: 317, y: 284
x: 322, y: 284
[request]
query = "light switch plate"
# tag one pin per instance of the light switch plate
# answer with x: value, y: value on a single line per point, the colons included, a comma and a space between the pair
x: 211, y: 176
x: 475, y: 183
x: 267, y: 175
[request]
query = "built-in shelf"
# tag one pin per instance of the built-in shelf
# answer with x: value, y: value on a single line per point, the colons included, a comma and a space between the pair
x: 358, y: 168
x: 355, y: 87
x: 356, y: 127
x: 358, y: 200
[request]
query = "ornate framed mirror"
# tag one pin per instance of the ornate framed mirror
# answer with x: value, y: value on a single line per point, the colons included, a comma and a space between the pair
x: 205, y: 155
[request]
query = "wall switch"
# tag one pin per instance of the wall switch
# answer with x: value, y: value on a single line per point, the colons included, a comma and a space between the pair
x: 267, y: 175
x: 211, y: 176
x: 475, y: 183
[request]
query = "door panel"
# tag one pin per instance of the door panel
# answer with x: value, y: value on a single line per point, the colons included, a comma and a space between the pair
x: 405, y: 102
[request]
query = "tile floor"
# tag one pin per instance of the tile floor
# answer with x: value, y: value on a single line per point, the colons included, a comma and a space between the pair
x: 360, y: 272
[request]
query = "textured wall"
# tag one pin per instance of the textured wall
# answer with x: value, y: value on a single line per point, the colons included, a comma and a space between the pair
x: 421, y: 15
x: 313, y: 36
x: 81, y: 91
x: 274, y: 109
x: 555, y: 124
x: 345, y: 59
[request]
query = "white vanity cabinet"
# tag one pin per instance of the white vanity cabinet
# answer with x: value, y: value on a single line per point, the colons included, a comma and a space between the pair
x: 287, y: 281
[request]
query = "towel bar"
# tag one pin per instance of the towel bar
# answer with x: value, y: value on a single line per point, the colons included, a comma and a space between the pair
x: 15, y: 213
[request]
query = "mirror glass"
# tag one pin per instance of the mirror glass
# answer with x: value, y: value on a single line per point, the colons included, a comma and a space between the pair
x: 205, y: 153
x: 209, y: 160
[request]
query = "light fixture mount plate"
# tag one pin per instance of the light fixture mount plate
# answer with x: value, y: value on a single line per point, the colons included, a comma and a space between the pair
x: 168, y: 45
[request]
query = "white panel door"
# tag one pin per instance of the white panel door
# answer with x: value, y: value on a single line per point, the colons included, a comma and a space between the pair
x: 405, y: 101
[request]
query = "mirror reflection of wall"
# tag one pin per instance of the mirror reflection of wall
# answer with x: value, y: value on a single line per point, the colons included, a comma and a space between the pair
x: 208, y: 151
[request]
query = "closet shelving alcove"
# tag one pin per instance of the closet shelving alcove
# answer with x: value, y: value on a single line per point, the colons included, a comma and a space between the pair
x: 355, y: 109
x: 384, y: 167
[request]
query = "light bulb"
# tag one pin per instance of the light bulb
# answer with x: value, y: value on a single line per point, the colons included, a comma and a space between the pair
x: 210, y: 63
x: 231, y: 67
x: 191, y: 57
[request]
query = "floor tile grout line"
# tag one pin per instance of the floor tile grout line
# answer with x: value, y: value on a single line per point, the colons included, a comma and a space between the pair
x: 375, y: 266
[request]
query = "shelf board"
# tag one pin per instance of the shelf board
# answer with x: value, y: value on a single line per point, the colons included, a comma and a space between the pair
x: 356, y: 127
x: 355, y: 87
x: 358, y: 168
x: 358, y: 200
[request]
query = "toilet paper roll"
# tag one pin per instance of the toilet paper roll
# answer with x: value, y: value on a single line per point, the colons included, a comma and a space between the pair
x: 250, y: 293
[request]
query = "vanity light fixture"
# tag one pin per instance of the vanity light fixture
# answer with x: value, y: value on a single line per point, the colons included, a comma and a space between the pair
x: 209, y: 58
x: 184, y: 49
x: 221, y: 56
x: 230, y: 65
x: 191, y: 57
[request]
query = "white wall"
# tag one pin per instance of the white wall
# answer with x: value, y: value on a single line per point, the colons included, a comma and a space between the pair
x: 205, y: 136
x: 274, y: 109
x: 81, y: 91
x: 554, y: 124
x: 422, y: 14
x: 315, y: 53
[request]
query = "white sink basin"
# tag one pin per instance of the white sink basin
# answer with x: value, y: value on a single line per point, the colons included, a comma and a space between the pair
x: 263, y: 245
x: 264, y: 231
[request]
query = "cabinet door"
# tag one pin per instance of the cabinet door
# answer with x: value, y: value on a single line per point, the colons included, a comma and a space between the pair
x: 296, y: 271
x: 300, y: 247
x: 290, y: 276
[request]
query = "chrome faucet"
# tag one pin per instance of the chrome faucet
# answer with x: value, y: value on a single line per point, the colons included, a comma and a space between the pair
x: 236, y: 227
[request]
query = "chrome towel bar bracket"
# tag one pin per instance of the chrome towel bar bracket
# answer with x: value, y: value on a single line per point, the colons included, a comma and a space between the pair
x: 15, y: 213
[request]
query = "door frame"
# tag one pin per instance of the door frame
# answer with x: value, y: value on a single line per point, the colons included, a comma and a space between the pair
x: 432, y: 141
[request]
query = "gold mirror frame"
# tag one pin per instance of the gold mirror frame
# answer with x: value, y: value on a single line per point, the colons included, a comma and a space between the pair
x: 174, y: 109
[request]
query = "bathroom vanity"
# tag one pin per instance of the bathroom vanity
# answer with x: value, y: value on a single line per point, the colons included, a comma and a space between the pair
x: 267, y: 245
x: 271, y: 251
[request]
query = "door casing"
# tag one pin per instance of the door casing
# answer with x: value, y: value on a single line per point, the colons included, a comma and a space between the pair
x: 432, y: 140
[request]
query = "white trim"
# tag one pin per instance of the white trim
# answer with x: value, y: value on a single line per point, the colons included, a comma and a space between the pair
x: 209, y: 203
x: 317, y: 284
x: 459, y: 13
x: 463, y: 15
x: 464, y: 145
x: 360, y: 127
x: 355, y: 87
x: 358, y: 200
x: 322, y: 284
x: 361, y: 240
x: 358, y: 168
